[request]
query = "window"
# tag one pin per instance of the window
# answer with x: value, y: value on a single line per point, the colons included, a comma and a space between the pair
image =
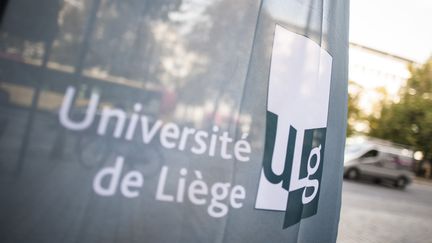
x: 370, y: 154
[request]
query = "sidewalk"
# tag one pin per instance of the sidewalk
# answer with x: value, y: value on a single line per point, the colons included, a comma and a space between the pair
x: 422, y: 181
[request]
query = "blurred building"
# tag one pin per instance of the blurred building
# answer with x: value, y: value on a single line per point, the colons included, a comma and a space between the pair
x: 375, y: 76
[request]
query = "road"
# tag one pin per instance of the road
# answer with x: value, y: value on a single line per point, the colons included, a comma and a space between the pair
x: 378, y: 213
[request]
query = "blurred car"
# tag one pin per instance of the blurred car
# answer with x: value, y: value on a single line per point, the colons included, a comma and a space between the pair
x: 379, y: 161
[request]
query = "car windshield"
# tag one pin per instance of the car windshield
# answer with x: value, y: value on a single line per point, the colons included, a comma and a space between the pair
x: 354, y: 148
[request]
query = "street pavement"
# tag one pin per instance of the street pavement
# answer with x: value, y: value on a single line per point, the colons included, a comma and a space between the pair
x: 378, y: 213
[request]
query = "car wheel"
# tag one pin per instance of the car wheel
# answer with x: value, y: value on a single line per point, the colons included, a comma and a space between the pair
x: 401, y: 182
x: 352, y: 174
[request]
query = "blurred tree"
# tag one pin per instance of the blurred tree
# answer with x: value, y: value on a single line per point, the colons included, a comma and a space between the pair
x: 354, y: 112
x: 409, y: 121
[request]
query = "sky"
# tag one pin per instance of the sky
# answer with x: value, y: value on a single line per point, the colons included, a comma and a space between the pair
x: 399, y: 27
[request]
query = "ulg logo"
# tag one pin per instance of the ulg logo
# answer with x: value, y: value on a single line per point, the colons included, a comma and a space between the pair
x: 301, y: 180
x: 296, y: 121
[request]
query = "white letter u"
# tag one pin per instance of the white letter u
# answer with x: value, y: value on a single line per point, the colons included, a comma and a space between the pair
x: 65, y: 108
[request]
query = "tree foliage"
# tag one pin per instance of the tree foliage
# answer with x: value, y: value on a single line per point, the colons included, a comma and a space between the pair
x: 354, y: 112
x: 409, y: 121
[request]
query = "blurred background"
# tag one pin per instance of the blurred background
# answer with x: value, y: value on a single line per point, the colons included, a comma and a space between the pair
x: 387, y: 191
